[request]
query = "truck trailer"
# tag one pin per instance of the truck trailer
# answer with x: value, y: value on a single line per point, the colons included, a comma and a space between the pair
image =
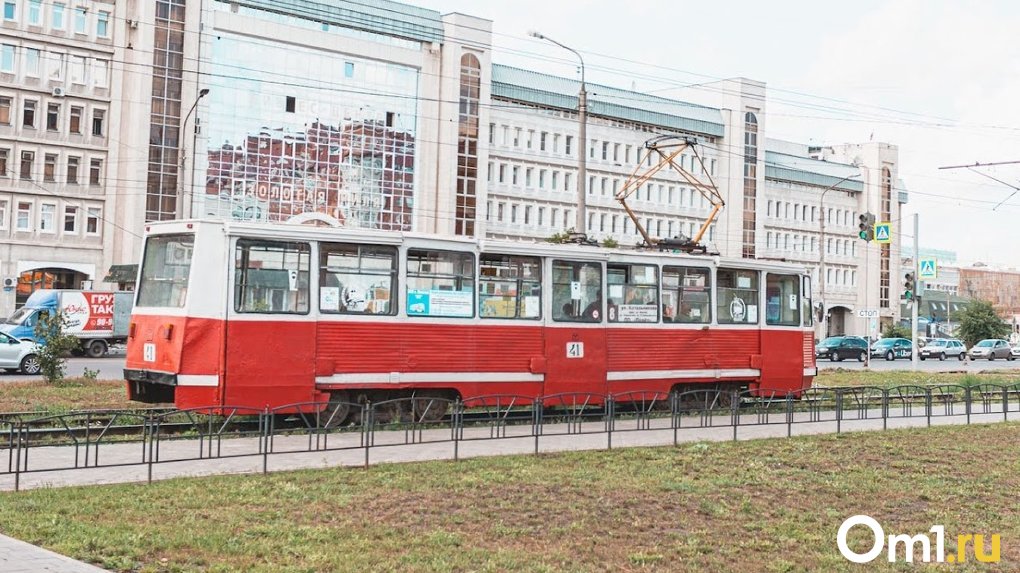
x: 96, y: 319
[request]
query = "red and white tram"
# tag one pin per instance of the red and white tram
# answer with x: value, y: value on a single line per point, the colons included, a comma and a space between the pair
x: 238, y: 314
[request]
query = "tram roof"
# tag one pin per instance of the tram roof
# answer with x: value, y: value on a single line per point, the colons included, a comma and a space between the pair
x: 500, y: 246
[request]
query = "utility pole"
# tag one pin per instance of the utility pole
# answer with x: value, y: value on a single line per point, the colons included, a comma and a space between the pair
x: 914, y: 304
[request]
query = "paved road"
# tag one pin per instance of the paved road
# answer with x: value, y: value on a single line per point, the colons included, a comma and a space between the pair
x: 110, y: 367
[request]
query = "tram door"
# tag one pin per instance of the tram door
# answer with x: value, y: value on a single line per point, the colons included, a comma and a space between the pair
x: 575, y: 342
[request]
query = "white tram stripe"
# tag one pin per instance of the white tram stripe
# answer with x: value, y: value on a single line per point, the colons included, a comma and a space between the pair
x: 656, y: 374
x: 198, y: 380
x: 811, y: 372
x: 402, y: 377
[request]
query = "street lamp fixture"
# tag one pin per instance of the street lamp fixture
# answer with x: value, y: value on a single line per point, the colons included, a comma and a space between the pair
x: 184, y: 127
x: 823, y: 248
x: 580, y: 228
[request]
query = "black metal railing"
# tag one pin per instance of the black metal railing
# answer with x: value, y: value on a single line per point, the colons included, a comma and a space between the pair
x: 249, y: 438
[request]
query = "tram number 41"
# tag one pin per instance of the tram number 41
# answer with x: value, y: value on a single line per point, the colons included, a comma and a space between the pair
x: 149, y: 352
x: 575, y: 350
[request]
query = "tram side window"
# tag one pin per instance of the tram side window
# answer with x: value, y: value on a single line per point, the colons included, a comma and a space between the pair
x: 271, y: 277
x: 440, y: 283
x: 509, y: 287
x: 738, y: 296
x: 165, y: 271
x: 633, y: 293
x: 357, y: 279
x: 806, y: 304
x: 686, y: 295
x: 782, y: 300
x: 577, y: 292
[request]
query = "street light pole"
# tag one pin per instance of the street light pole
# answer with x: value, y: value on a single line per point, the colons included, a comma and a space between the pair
x: 180, y: 137
x: 822, y: 248
x: 580, y: 228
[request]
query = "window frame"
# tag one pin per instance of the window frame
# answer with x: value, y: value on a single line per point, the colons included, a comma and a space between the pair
x: 557, y: 305
x: 629, y: 287
x: 705, y: 309
x: 751, y: 307
x: 519, y: 279
x: 459, y: 279
x: 780, y: 278
x: 239, y: 306
x: 327, y: 248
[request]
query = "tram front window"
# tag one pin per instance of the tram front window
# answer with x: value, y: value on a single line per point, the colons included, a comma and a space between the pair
x: 165, y: 270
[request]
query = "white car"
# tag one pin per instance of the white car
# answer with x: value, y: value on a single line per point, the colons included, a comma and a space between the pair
x: 20, y: 355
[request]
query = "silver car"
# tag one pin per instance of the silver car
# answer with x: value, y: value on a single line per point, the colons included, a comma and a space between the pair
x: 991, y: 348
x: 20, y: 355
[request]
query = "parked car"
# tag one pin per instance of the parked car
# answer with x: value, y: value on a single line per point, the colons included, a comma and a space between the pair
x: 892, y: 348
x: 18, y: 355
x: 839, y: 348
x: 991, y: 348
x: 942, y: 348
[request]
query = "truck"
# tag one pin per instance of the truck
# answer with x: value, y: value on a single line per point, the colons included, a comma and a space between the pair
x: 97, y: 319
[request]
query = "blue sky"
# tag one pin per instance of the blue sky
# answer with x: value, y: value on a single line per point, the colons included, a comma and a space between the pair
x: 939, y: 79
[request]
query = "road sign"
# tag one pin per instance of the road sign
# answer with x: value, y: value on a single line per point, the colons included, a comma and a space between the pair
x: 883, y: 232
x: 929, y: 268
x: 867, y: 313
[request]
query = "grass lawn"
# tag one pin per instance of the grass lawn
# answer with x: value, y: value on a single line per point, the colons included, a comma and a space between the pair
x: 73, y: 394
x: 757, y: 506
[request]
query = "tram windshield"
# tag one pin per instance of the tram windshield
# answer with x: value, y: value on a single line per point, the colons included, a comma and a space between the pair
x: 165, y: 270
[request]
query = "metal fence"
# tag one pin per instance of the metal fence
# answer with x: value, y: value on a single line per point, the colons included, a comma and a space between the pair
x: 147, y: 439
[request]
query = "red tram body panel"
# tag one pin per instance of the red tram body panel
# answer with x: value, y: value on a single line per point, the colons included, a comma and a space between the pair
x: 259, y: 316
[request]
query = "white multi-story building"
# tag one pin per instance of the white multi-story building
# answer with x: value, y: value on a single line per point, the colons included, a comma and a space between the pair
x: 55, y: 139
x: 376, y: 114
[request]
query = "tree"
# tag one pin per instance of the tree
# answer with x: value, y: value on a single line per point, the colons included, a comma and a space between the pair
x: 896, y: 331
x: 979, y: 321
x: 55, y: 344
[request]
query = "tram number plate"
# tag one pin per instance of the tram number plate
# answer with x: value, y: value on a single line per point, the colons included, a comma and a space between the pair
x: 149, y: 352
x: 575, y: 350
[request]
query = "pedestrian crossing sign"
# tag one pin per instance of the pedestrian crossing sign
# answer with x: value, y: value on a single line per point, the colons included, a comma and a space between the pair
x: 883, y: 232
x: 928, y: 269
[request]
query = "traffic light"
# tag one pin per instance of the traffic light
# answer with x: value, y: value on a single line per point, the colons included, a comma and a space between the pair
x: 866, y: 226
x: 909, y: 287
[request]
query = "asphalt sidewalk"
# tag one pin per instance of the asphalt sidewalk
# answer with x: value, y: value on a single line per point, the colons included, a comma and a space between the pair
x: 20, y: 557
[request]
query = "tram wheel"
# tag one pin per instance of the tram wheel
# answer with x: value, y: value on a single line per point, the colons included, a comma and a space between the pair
x: 430, y: 407
x: 337, y: 410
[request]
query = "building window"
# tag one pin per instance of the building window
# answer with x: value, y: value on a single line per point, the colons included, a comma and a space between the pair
x: 95, y: 171
x: 3, y: 162
x: 24, y: 216
x: 100, y: 73
x: 53, y: 117
x: 80, y: 20
x: 28, y: 118
x: 78, y: 70
x: 76, y: 113
x: 161, y: 199
x: 50, y: 167
x: 541, y: 140
x: 93, y: 214
x: 58, y: 17
x: 348, y: 69
x: 10, y: 10
x: 72, y: 169
x: 98, y: 116
x: 27, y: 158
x: 3, y: 213
x: 47, y: 216
x: 71, y: 220
x: 467, y: 145
x: 5, y: 111
x: 55, y: 66
x: 750, y: 185
x: 35, y: 12
x: 32, y: 59
x: 7, y: 58
x: 568, y: 145
x: 103, y: 24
